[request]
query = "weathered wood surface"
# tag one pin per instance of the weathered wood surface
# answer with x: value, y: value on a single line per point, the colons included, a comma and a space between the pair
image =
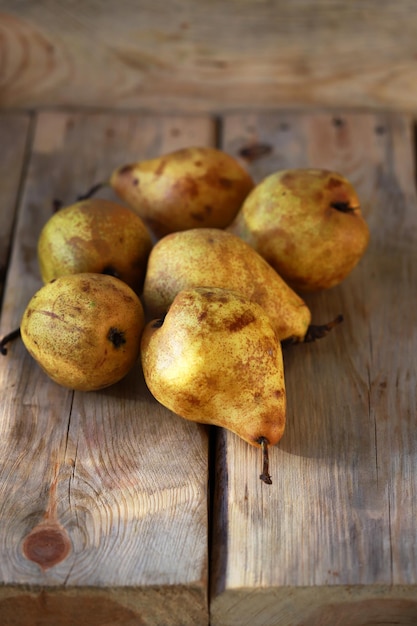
x: 334, y: 539
x: 200, y: 56
x: 118, y: 485
x: 14, y: 140
x: 103, y: 496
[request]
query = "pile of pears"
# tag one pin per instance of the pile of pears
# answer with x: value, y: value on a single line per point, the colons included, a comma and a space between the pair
x: 198, y: 273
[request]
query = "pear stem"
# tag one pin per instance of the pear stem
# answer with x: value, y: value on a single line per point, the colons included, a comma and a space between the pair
x: 7, y: 338
x: 265, y: 476
x: 56, y: 205
x: 318, y: 331
x: 91, y: 191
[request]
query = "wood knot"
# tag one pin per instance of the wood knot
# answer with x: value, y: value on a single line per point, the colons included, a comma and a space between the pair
x: 47, y: 545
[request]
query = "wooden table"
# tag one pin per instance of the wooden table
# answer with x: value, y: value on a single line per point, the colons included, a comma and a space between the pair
x: 115, y: 511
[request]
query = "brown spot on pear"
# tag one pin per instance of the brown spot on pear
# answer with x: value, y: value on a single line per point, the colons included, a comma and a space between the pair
x: 172, y: 192
x: 307, y: 223
x: 97, y: 236
x: 217, y: 346
x: 84, y: 330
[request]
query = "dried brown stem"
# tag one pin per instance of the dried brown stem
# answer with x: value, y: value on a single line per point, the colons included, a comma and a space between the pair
x: 318, y: 331
x: 314, y: 331
x: 15, y: 334
x: 265, y: 476
x: 91, y: 192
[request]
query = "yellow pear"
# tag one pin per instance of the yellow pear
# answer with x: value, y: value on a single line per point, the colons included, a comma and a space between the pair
x: 84, y: 330
x: 192, y: 187
x: 307, y: 223
x: 215, y: 359
x: 210, y: 257
x: 97, y: 236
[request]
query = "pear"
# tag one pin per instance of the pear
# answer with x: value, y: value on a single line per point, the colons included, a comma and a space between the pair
x: 97, y: 236
x: 84, y: 330
x: 215, y: 359
x: 191, y: 187
x: 210, y: 257
x: 308, y: 224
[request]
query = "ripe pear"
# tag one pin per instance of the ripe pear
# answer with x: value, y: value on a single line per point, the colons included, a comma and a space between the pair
x: 215, y: 359
x: 192, y: 187
x: 210, y: 257
x: 84, y: 330
x: 308, y: 224
x: 97, y: 236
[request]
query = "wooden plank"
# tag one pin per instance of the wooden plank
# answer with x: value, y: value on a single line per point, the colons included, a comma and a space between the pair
x: 333, y: 540
x: 215, y: 56
x: 103, y: 496
x: 14, y: 137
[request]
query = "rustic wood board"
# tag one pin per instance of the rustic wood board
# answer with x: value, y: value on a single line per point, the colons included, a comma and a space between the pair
x: 14, y: 142
x: 215, y: 56
x: 118, y: 484
x: 334, y: 539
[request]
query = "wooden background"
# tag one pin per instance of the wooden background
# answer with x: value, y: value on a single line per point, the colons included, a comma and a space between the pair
x: 191, y: 55
x: 166, y: 522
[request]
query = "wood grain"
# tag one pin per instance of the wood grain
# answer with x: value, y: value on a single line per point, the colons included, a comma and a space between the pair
x: 103, y: 497
x: 333, y: 539
x: 98, y: 491
x: 194, y: 56
x: 14, y: 139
